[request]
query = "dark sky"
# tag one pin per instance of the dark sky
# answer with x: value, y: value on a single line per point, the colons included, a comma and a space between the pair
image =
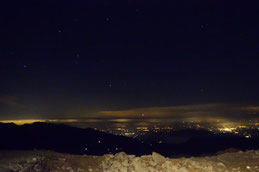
x: 86, y: 58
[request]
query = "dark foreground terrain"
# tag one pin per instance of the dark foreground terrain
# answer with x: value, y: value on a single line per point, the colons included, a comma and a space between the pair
x: 72, y: 140
x: 67, y: 139
x: 65, y: 148
x: 46, y: 161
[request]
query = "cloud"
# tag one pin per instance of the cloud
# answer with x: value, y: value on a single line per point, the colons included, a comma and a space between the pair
x: 187, y: 111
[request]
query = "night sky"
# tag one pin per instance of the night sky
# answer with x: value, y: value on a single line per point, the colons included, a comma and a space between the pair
x: 126, y: 58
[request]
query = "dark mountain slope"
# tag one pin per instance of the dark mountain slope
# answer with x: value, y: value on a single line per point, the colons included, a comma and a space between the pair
x: 67, y: 139
x: 192, y: 142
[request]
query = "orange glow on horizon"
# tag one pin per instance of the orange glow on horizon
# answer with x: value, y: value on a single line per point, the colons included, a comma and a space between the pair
x: 30, y: 121
x: 22, y: 121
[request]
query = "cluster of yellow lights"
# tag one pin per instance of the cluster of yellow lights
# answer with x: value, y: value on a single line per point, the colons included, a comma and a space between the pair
x: 248, y: 136
x: 142, y: 128
x: 227, y: 129
x: 156, y: 128
x: 121, y: 129
x: 242, y: 126
x: 129, y: 134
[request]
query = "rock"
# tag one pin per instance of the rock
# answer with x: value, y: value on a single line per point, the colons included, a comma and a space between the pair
x: 121, y: 155
x: 151, y: 169
x: 153, y: 163
x: 158, y: 158
x: 131, y: 156
x: 168, y: 166
x: 220, y: 164
x: 139, y: 166
x: 182, y: 169
x: 123, y: 169
x: 116, y: 165
x: 61, y: 159
x: 121, y: 162
x: 125, y: 163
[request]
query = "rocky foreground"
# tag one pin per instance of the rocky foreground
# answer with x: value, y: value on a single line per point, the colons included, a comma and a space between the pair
x: 47, y: 161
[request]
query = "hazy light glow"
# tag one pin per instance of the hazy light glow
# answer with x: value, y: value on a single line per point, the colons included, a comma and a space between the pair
x: 24, y: 121
x: 30, y: 121
x: 121, y: 120
x: 193, y: 111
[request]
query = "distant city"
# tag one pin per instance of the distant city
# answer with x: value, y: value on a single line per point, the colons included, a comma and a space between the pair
x: 247, y: 129
x: 138, y: 127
